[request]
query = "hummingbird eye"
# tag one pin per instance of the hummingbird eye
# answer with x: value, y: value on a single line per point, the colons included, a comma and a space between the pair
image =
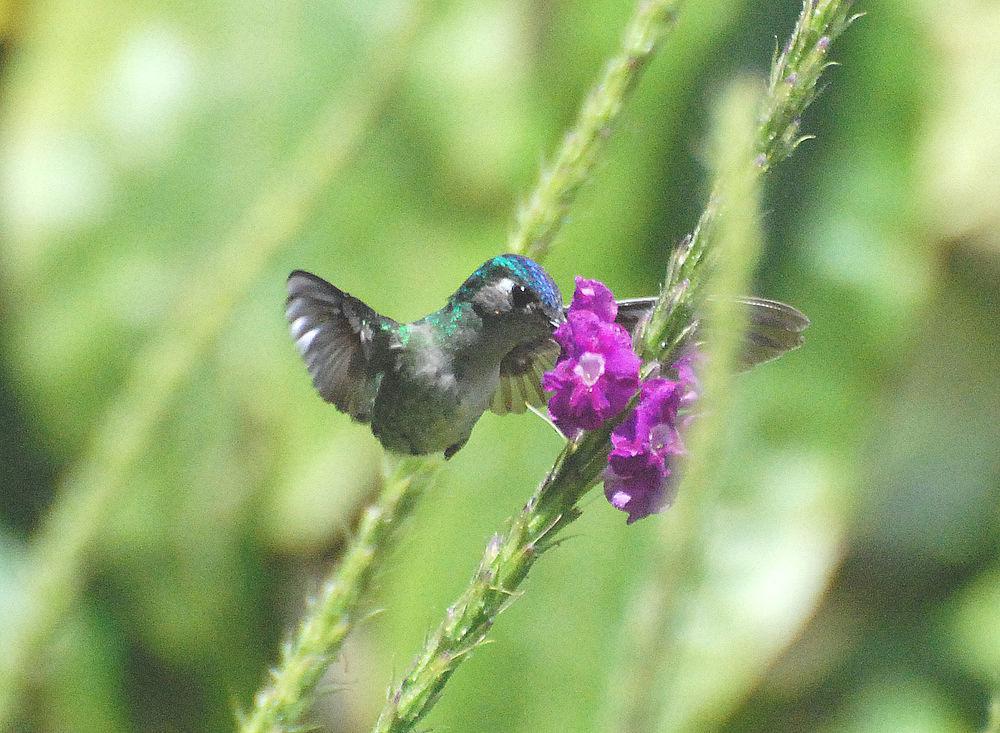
x: 521, y: 297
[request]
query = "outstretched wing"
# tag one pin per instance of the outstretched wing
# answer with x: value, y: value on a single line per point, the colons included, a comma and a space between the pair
x: 341, y: 339
x: 772, y: 327
x: 521, y: 377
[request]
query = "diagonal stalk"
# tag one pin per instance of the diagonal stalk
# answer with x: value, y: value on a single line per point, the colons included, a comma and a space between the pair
x: 331, y: 615
x: 791, y: 88
x: 509, y: 556
x: 511, y: 553
x: 636, y: 688
x: 60, y: 550
x: 537, y: 224
x: 541, y: 217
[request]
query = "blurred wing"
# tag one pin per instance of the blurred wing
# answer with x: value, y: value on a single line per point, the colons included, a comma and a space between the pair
x: 521, y: 377
x: 339, y: 339
x: 772, y: 327
x: 633, y: 311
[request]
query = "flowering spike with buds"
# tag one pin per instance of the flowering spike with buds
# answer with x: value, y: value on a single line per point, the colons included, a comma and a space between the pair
x: 583, y: 461
x: 802, y: 60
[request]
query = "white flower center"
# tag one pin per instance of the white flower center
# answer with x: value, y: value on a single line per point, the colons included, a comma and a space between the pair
x: 589, y: 368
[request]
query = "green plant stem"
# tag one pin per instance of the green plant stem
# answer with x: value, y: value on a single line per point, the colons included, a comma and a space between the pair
x: 59, y: 555
x: 636, y: 697
x: 792, y: 86
x: 540, y: 218
x: 537, y: 224
x: 280, y: 705
x: 509, y: 556
x: 511, y: 553
x: 636, y: 689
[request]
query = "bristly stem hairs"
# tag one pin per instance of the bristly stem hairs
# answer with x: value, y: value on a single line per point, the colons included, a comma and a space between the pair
x: 280, y: 705
x: 511, y: 552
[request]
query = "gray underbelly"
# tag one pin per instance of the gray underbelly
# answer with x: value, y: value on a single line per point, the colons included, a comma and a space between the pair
x: 413, y: 417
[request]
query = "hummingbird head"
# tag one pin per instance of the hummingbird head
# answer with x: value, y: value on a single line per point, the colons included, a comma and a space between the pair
x: 514, y: 297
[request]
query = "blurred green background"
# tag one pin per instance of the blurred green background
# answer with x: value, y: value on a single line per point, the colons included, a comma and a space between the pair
x: 154, y: 154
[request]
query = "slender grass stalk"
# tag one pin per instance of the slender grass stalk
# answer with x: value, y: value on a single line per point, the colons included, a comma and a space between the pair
x: 509, y: 556
x: 281, y: 705
x: 635, y: 696
x: 792, y: 86
x: 636, y: 701
x: 541, y: 217
x: 58, y: 564
x: 511, y: 553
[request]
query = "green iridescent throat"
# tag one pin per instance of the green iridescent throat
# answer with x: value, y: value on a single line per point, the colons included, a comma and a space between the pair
x: 448, y: 320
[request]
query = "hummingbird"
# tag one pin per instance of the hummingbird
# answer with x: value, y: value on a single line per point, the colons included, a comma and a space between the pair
x: 422, y: 386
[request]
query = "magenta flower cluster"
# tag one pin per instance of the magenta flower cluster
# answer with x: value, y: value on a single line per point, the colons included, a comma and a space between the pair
x: 597, y: 372
x: 596, y: 376
x: 637, y: 479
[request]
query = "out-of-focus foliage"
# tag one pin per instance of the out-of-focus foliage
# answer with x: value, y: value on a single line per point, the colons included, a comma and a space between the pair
x: 853, y: 571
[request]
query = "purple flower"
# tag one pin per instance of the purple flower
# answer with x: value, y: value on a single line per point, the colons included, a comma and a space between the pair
x: 636, y: 480
x: 637, y: 485
x: 686, y: 375
x: 594, y: 296
x: 597, y: 372
x: 595, y: 377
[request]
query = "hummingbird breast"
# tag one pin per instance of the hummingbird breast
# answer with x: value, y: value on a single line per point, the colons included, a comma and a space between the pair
x: 432, y: 397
